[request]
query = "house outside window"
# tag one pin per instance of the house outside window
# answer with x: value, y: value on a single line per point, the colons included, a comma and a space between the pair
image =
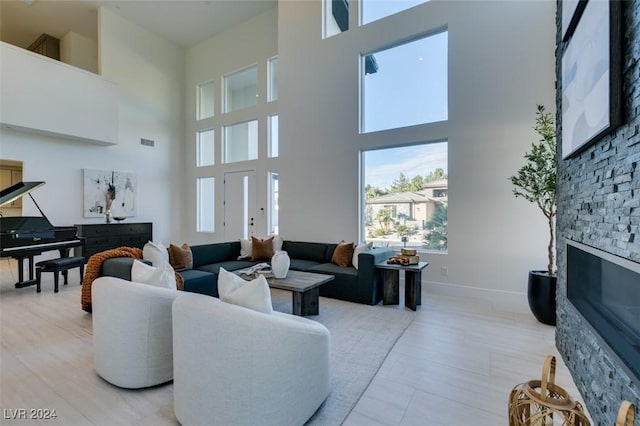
x: 405, y: 197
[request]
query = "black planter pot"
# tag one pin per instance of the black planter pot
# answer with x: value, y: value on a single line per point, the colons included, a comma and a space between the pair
x: 541, y: 293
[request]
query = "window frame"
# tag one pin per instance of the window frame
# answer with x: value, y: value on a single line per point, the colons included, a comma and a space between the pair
x: 225, y: 91
x: 362, y: 211
x: 199, y: 147
x: 200, y: 208
x: 273, y: 206
x: 256, y: 147
x: 367, y: 62
x: 273, y: 93
x: 199, y: 100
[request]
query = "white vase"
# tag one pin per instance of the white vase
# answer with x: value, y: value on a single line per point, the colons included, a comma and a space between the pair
x: 280, y: 263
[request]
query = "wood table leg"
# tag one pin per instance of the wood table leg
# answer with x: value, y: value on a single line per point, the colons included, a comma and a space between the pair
x: 306, y: 302
x: 391, y: 287
x: 412, y: 289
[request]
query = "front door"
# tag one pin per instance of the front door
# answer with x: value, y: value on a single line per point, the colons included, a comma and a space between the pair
x: 239, y: 204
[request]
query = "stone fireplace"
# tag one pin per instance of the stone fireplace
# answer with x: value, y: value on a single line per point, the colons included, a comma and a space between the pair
x: 605, y: 289
x: 599, y: 214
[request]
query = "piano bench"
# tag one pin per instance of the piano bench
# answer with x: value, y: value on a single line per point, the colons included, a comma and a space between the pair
x: 62, y: 264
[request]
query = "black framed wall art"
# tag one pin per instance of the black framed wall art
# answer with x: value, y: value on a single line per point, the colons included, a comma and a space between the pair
x: 591, y: 73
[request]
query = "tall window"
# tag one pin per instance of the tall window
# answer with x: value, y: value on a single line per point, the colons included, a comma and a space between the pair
x: 272, y: 89
x: 274, y: 227
x: 205, y: 100
x: 407, y: 86
x: 406, y: 196
x: 372, y: 10
x: 205, y: 188
x: 241, y: 141
x: 273, y: 135
x: 241, y: 89
x: 335, y: 17
x: 205, y: 150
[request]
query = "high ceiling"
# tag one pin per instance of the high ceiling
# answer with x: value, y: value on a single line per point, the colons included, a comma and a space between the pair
x: 184, y: 22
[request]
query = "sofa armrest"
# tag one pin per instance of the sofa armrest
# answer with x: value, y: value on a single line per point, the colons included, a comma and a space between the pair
x: 369, y: 284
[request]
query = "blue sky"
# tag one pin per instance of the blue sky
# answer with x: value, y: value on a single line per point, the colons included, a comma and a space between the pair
x: 409, y: 88
x: 376, y: 9
x: 384, y: 165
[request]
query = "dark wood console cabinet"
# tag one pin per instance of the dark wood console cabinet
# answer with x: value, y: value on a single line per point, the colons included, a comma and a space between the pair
x: 105, y: 236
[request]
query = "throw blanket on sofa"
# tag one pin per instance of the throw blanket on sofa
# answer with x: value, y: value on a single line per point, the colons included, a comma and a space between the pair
x: 94, y: 267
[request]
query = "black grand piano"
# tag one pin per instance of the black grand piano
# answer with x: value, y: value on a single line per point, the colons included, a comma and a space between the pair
x: 23, y: 237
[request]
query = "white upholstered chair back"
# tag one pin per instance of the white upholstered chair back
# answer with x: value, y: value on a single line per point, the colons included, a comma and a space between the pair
x: 236, y: 366
x: 132, y: 332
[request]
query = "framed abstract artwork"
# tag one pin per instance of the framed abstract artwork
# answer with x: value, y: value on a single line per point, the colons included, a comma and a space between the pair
x: 109, y: 191
x: 571, y: 13
x: 591, y: 76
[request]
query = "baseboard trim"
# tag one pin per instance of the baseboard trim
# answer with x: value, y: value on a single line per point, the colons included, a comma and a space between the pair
x: 515, y: 301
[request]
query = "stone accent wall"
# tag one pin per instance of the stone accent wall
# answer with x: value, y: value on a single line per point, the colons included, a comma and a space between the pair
x: 599, y: 205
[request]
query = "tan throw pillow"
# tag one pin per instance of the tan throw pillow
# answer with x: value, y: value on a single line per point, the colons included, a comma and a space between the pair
x: 343, y: 254
x: 261, y: 249
x: 180, y: 258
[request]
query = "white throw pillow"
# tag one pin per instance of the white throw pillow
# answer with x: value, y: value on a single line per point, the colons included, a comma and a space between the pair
x: 156, y: 253
x: 162, y: 276
x: 253, y: 294
x: 277, y: 243
x: 246, y: 247
x: 361, y: 247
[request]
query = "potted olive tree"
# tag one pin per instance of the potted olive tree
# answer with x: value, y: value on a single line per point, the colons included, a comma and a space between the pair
x: 536, y: 182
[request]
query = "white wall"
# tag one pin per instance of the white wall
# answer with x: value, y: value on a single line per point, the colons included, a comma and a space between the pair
x: 40, y: 94
x: 79, y: 51
x: 501, y: 64
x: 249, y: 43
x: 150, y: 74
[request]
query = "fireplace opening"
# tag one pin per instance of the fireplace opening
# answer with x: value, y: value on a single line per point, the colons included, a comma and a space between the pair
x: 605, y: 289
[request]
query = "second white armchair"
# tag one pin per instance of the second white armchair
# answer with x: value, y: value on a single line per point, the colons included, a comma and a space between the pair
x: 236, y: 366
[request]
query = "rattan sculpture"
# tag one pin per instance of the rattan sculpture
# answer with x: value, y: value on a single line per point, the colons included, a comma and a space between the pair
x: 626, y: 414
x: 543, y: 403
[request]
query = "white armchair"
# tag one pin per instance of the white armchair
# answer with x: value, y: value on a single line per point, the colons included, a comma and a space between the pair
x: 237, y: 366
x: 132, y: 332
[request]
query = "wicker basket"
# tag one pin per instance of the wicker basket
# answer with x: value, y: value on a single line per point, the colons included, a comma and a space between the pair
x: 543, y: 403
x: 626, y: 414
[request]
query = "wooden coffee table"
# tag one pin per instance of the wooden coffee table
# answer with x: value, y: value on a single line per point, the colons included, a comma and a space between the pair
x: 305, y: 287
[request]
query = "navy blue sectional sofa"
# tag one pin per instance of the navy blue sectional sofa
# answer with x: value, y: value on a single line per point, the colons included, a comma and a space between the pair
x: 362, y: 285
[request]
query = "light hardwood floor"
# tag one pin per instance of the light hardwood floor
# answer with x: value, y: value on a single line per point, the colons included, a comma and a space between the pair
x: 455, y: 365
